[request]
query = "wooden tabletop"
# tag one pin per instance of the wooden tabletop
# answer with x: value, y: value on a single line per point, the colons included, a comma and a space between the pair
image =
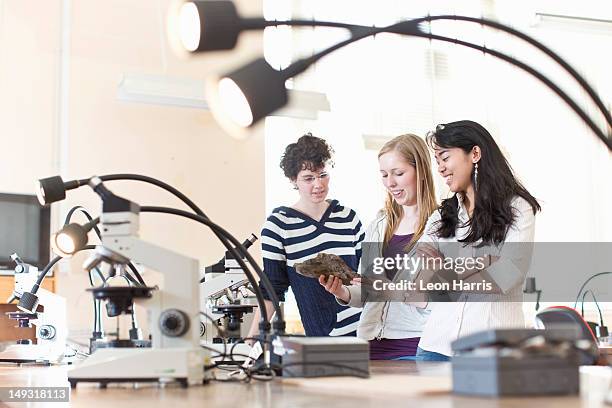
x: 392, y: 384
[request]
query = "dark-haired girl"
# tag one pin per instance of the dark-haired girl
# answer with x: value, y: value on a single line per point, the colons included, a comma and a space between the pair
x: 296, y: 233
x: 489, y: 211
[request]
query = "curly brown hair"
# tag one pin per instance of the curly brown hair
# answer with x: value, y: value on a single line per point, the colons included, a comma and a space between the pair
x: 308, y: 153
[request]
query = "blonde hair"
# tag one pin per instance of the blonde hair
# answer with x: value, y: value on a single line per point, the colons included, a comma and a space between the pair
x: 413, y: 150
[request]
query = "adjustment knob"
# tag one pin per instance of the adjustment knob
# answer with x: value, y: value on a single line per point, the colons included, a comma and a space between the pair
x: 173, y: 323
x: 46, y: 332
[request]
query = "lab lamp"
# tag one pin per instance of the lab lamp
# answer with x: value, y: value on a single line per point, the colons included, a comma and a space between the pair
x: 74, y: 236
x: 71, y: 238
x: 241, y: 98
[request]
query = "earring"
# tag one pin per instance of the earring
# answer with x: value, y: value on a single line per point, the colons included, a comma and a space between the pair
x: 476, y: 176
x: 295, y: 187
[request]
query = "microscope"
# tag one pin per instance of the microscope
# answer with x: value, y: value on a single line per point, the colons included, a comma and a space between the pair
x: 226, y: 293
x: 173, y: 310
x: 49, y: 319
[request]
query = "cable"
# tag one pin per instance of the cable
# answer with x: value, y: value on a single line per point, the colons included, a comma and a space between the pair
x: 410, y: 28
x: 145, y: 179
x: 96, y: 302
x: 359, y: 32
x: 568, y: 68
x: 49, y: 266
x: 562, y: 94
x: 136, y: 273
x: 586, y: 282
x: 240, y: 341
x: 85, y: 213
x: 238, y: 246
x: 220, y: 332
x: 596, y: 304
x: 219, y: 354
x: 95, y: 308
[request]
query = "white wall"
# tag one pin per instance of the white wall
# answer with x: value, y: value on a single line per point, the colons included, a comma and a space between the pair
x: 28, y: 79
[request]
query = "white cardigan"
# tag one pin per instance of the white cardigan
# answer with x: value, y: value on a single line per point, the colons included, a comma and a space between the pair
x: 449, y: 321
x: 390, y: 320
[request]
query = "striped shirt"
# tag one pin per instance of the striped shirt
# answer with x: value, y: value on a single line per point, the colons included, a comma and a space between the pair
x: 289, y: 237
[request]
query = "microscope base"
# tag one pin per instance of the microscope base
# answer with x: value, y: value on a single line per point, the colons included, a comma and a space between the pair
x: 104, y: 366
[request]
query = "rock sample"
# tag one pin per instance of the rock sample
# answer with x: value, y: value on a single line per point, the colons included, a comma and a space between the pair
x: 326, y: 264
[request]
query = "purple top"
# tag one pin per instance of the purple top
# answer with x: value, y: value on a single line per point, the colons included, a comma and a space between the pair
x: 388, y: 349
x: 397, y: 245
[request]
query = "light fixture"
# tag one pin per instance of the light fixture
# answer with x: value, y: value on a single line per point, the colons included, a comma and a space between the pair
x: 245, y: 96
x: 198, y: 26
x: 241, y: 98
x: 28, y: 302
x: 257, y: 101
x: 234, y: 116
x: 50, y: 190
x: 71, y: 238
x: 190, y: 26
x: 195, y: 26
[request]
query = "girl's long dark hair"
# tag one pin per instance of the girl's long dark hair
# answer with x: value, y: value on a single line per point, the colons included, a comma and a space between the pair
x: 496, y: 185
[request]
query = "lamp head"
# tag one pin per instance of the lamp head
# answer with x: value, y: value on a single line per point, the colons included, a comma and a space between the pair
x: 70, y: 239
x: 28, y: 302
x: 200, y: 26
x: 50, y: 190
x: 241, y: 98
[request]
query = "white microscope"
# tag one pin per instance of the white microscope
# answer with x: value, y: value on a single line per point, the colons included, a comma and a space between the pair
x: 49, y: 321
x: 173, y: 310
x: 226, y: 300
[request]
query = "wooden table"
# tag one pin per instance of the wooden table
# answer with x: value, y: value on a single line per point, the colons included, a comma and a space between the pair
x: 430, y: 379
